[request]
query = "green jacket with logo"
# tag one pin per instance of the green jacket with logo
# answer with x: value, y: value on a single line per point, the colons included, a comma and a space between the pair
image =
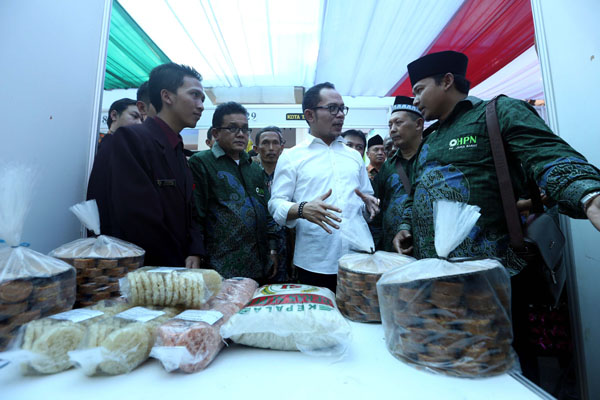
x: 455, y: 162
x: 232, y: 208
x: 388, y: 187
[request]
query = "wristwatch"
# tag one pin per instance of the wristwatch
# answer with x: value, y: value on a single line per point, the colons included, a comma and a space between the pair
x: 587, y: 198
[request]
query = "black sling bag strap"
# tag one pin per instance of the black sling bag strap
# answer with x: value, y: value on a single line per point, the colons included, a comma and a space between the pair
x: 507, y: 194
x: 403, y: 177
x: 543, y: 243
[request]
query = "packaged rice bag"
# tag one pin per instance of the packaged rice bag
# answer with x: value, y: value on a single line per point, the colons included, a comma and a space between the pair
x: 42, y: 345
x: 445, y: 315
x: 191, y: 340
x: 170, y: 286
x: 32, y: 285
x: 117, y: 345
x: 291, y: 317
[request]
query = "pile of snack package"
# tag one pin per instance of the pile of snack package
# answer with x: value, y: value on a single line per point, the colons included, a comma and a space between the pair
x: 445, y: 316
x: 449, y: 316
x: 32, y: 285
x: 181, y: 317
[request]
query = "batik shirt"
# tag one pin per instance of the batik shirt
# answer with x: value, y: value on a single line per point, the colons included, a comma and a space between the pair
x: 232, y: 206
x: 455, y: 163
x: 389, y: 189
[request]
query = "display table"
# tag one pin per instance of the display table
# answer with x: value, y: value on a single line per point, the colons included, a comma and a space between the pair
x: 366, y: 371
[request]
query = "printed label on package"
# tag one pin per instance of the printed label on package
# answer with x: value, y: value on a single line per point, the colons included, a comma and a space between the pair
x: 77, y: 315
x: 139, y: 314
x: 166, y: 269
x: 208, y: 316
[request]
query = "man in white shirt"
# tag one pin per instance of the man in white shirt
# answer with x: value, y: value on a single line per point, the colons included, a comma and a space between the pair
x: 317, y: 184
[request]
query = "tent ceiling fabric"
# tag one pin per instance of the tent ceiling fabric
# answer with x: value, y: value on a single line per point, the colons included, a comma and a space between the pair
x: 131, y: 53
x: 362, y: 47
x: 365, y: 45
x: 491, y: 33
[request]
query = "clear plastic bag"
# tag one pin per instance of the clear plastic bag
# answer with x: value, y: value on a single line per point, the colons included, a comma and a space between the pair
x: 99, y: 261
x: 101, y: 246
x: 41, y: 346
x: 449, y: 317
x: 191, y: 340
x: 291, y: 317
x: 32, y: 285
x: 118, y: 344
x: 358, y: 273
x: 170, y: 286
x: 355, y: 232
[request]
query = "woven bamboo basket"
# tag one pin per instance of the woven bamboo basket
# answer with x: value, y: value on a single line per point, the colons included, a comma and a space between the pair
x: 356, y: 295
x: 98, y: 278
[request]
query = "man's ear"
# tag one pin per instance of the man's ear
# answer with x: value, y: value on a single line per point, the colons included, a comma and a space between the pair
x: 114, y: 115
x: 141, y: 107
x: 420, y: 123
x: 448, y: 81
x: 166, y: 97
x: 309, y: 115
x: 215, y: 134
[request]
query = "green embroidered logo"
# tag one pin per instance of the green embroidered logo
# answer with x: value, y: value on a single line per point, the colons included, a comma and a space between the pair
x: 260, y: 192
x: 462, y: 142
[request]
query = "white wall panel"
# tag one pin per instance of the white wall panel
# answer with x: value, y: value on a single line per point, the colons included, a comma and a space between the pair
x: 51, y: 77
x: 568, y: 40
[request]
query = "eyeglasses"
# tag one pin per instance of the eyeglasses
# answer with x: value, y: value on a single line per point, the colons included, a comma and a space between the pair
x: 334, y: 109
x: 235, y: 129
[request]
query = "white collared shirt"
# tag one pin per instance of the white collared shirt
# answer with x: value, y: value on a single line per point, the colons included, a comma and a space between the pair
x: 306, y: 172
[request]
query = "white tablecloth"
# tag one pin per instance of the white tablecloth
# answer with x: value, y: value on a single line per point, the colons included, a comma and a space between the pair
x: 367, y: 371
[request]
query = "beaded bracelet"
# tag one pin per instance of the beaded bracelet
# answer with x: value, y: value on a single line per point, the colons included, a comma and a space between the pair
x: 300, y: 209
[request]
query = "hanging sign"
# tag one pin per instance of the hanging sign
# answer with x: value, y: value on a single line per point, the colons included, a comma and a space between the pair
x: 294, y: 117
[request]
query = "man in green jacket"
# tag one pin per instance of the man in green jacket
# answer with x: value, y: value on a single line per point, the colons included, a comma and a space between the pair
x: 231, y: 196
x: 406, y: 131
x: 455, y: 162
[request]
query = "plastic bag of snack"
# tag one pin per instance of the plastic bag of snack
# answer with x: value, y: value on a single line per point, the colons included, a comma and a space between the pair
x: 191, y: 340
x: 32, y: 285
x: 449, y: 316
x: 101, y: 246
x: 291, y: 317
x: 358, y: 273
x: 41, y: 346
x: 170, y: 286
x: 118, y: 344
x: 100, y: 261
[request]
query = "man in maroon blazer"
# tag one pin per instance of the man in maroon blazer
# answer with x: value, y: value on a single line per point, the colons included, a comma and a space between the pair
x: 141, y: 179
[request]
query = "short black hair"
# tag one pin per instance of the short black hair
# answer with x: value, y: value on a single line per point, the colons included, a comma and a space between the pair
x: 168, y: 76
x: 119, y: 106
x: 271, y: 128
x: 143, y: 93
x: 460, y: 82
x: 359, y: 134
x: 209, y: 133
x: 224, y: 109
x: 312, y: 97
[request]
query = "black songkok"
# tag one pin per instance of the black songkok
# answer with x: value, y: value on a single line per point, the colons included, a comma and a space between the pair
x: 437, y: 63
x: 375, y: 141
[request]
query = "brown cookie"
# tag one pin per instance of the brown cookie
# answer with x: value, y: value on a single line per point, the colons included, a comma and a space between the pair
x: 15, y: 291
